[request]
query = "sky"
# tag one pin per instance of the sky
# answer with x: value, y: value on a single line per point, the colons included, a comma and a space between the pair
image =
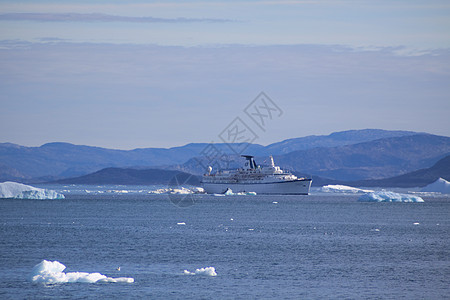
x: 138, y: 74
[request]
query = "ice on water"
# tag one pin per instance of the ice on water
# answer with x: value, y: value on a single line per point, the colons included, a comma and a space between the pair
x: 387, y: 196
x: 181, y: 191
x: 229, y: 192
x: 439, y: 186
x: 51, y: 272
x: 337, y: 188
x: 208, y: 271
x: 16, y: 190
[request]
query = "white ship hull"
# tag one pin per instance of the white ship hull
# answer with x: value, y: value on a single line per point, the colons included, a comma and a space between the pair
x: 293, y: 187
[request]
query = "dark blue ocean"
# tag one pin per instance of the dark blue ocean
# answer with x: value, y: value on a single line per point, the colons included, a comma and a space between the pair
x: 302, y: 247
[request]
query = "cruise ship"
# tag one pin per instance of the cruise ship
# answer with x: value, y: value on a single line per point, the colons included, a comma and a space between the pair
x: 253, y: 178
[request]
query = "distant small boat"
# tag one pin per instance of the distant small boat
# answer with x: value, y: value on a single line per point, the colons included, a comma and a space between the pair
x: 253, y: 178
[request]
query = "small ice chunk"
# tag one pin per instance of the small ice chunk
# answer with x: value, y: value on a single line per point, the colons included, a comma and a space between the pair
x: 182, y: 191
x: 160, y: 191
x: 51, y: 272
x: 120, y: 191
x: 416, y: 223
x: 208, y: 271
x: 275, y: 202
x: 16, y: 190
x: 229, y: 192
x: 181, y: 223
x: 198, y: 190
x: 387, y: 196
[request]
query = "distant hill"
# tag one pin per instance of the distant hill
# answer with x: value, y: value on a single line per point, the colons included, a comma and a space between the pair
x: 335, y: 139
x: 418, y: 178
x: 62, y: 160
x: 11, y: 174
x: 128, y: 176
x: 377, y: 159
x: 68, y: 160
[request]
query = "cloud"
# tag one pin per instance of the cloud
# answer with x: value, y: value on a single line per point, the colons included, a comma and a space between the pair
x: 51, y: 39
x: 97, y: 17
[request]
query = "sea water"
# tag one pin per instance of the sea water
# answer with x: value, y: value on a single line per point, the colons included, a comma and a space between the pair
x: 261, y: 247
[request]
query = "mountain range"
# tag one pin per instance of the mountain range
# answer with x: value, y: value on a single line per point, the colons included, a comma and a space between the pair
x: 349, y: 155
x: 124, y: 176
x: 132, y: 177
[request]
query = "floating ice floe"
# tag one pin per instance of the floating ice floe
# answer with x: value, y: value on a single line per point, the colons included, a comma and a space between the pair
x: 342, y: 189
x: 16, y: 190
x: 181, y: 190
x: 51, y: 272
x: 198, y: 190
x: 439, y: 186
x: 387, y: 196
x: 208, y: 271
x: 229, y: 192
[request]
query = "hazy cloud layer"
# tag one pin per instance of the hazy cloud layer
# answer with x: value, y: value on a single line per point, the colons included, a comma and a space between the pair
x: 97, y: 17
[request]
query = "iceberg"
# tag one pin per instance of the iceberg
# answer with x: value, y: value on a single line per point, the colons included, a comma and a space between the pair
x: 229, y: 192
x: 331, y: 188
x: 439, y: 186
x: 198, y: 190
x: 387, y: 196
x: 51, y: 272
x: 179, y: 191
x: 16, y: 190
x: 208, y: 271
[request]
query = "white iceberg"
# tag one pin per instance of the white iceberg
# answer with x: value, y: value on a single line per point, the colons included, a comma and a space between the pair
x: 198, y: 190
x: 229, y: 192
x: 51, y: 272
x: 337, y: 188
x: 208, y: 271
x: 439, y: 186
x: 181, y: 191
x: 21, y: 191
x: 387, y: 196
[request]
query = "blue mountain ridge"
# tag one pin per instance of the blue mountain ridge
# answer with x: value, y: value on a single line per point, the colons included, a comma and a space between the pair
x: 349, y: 155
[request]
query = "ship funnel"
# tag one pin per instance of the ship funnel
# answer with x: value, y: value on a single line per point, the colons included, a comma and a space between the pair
x: 209, y: 169
x: 250, y: 162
